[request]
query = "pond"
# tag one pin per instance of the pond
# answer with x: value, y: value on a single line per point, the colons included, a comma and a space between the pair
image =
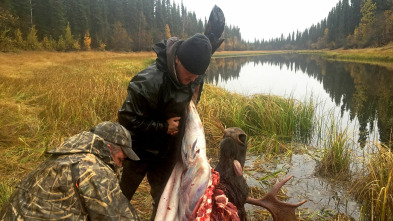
x: 359, y: 95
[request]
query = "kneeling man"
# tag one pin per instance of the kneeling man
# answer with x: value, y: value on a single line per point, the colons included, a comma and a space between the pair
x: 78, y: 181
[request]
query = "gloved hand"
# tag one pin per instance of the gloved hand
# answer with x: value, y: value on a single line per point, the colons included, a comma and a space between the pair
x: 215, y: 28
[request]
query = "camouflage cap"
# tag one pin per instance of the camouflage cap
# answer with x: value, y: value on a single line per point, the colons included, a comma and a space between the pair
x: 116, y: 134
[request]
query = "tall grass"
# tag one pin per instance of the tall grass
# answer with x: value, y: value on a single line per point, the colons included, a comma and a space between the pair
x: 47, y: 96
x: 5, y: 191
x: 375, y: 187
x: 362, y: 55
x: 262, y: 117
x: 336, y: 152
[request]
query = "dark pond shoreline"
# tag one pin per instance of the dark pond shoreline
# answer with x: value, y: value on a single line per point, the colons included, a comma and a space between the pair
x: 363, y: 92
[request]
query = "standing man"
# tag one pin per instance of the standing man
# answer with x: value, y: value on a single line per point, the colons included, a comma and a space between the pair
x: 78, y: 181
x: 155, y: 109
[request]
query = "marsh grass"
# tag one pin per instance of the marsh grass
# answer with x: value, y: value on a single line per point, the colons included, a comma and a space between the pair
x: 268, y: 146
x: 46, y: 97
x: 142, y: 202
x: 225, y: 54
x: 336, y: 159
x: 269, y: 121
x: 381, y: 55
x: 5, y: 191
x: 375, y: 187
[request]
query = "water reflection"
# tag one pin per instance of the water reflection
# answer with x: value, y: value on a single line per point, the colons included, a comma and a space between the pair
x: 360, y: 92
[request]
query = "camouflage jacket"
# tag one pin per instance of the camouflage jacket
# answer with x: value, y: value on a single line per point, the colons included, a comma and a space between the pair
x: 77, y: 182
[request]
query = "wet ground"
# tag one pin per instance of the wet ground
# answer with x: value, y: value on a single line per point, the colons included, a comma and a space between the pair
x: 324, y: 198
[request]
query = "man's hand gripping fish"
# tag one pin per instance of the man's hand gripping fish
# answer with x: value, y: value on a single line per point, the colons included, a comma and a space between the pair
x: 191, y: 175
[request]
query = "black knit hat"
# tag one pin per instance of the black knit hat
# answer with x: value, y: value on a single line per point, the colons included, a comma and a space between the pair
x: 195, y: 53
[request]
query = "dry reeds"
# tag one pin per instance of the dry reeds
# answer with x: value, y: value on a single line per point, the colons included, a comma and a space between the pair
x: 47, y: 96
x: 375, y: 187
x: 269, y: 121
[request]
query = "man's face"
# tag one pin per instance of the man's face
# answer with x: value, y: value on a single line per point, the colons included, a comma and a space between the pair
x: 118, y: 155
x: 183, y: 75
x: 119, y: 158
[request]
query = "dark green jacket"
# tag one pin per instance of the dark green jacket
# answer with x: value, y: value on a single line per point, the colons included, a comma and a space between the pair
x: 155, y: 95
x: 77, y: 182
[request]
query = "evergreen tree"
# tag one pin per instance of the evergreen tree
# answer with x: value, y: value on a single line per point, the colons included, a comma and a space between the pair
x: 24, y: 11
x: 364, y: 33
x: 148, y: 12
x: 120, y: 39
x: 144, y: 37
x: 131, y: 18
x: 350, y: 23
x: 355, y: 15
x: 346, y: 19
x: 78, y: 14
x: 19, y: 42
x: 115, y: 13
x: 101, y: 46
x: 32, y: 40
x: 57, y: 17
x: 42, y: 18
x: 8, y: 23
x: 388, y: 14
x: 61, y: 46
x: 48, y: 43
x: 167, y: 13
x: 7, y: 20
x: 5, y: 41
x: 160, y: 23
x: 382, y: 5
x: 176, y: 27
x: 100, y: 28
x: 68, y: 38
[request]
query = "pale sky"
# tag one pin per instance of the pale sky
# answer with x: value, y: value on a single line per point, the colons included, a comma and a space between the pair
x: 265, y: 19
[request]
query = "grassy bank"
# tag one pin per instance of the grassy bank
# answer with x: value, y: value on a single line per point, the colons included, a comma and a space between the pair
x: 269, y: 121
x: 381, y: 56
x: 46, y: 97
x: 374, y: 189
x: 226, y: 54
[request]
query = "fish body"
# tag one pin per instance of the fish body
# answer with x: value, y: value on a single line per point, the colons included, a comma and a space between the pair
x: 190, y: 176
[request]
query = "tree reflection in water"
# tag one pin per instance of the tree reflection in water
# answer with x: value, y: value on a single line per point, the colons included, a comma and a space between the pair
x: 364, y: 91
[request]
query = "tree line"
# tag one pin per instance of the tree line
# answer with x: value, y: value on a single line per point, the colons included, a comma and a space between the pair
x: 350, y: 24
x: 125, y: 25
x: 135, y: 25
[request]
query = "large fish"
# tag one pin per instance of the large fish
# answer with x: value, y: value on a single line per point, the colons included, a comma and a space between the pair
x: 191, y: 175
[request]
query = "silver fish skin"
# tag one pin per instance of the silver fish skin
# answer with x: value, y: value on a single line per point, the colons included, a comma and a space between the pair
x: 190, y: 177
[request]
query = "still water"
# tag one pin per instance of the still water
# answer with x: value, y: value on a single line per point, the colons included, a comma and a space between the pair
x: 360, y: 95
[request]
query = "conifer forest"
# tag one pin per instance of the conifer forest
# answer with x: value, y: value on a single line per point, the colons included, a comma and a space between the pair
x: 135, y: 25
